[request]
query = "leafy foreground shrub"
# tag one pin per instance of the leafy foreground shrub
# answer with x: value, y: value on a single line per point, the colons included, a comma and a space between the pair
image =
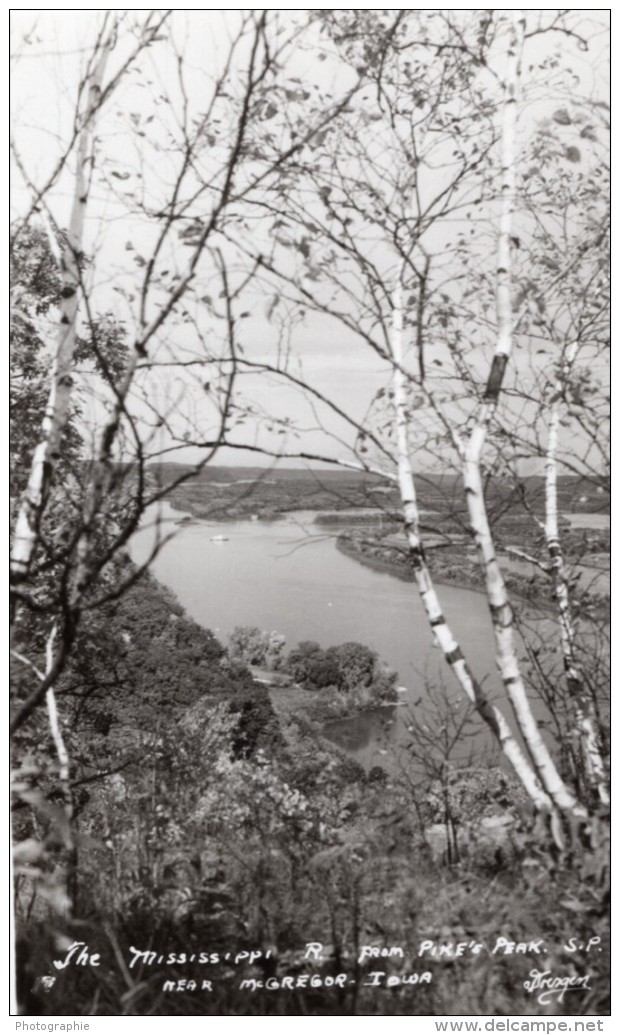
x: 220, y: 829
x: 359, y: 896
x: 205, y: 850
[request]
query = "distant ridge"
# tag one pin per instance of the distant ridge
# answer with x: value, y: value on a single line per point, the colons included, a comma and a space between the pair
x: 575, y: 492
x: 214, y: 473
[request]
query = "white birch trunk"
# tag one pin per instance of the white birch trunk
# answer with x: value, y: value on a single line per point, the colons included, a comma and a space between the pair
x: 64, y: 773
x: 441, y: 630
x: 499, y: 604
x: 47, y: 452
x: 586, y: 725
x: 54, y: 721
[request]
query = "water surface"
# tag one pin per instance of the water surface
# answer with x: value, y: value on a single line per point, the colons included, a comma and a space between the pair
x: 287, y: 575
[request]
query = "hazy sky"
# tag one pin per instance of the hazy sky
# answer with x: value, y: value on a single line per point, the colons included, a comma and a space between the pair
x: 52, y: 47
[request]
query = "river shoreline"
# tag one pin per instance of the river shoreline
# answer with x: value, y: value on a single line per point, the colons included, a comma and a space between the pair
x: 263, y: 578
x: 397, y: 570
x: 597, y: 605
x: 394, y: 569
x: 293, y: 701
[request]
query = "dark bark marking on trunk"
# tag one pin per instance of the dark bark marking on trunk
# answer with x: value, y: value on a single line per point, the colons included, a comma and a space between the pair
x: 496, y: 376
x: 502, y: 614
x: 417, y: 557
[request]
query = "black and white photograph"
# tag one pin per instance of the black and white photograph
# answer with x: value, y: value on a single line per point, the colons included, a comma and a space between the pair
x: 310, y: 515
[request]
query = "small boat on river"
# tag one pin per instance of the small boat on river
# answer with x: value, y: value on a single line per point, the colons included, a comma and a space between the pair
x: 219, y: 538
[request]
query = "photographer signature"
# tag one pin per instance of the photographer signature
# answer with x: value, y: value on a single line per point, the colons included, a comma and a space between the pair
x: 550, y: 986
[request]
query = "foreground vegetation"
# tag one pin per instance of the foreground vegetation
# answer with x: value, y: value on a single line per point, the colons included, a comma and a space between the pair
x: 206, y: 822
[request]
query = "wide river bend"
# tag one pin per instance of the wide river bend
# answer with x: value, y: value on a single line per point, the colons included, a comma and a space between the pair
x: 287, y: 575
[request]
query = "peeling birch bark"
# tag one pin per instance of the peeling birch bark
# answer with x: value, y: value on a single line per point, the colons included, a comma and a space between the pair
x: 586, y: 725
x: 499, y: 603
x: 47, y: 452
x: 441, y: 630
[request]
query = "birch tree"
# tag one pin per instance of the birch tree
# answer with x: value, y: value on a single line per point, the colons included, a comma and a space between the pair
x: 405, y: 204
x: 499, y: 603
x: 203, y: 138
x: 562, y: 304
x: 156, y: 138
x: 586, y: 721
x: 389, y: 245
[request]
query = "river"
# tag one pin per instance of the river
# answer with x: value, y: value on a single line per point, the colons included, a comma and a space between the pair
x: 287, y: 575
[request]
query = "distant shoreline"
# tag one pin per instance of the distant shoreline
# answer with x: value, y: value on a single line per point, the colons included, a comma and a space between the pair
x: 394, y: 569
x: 456, y: 579
x: 399, y: 571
